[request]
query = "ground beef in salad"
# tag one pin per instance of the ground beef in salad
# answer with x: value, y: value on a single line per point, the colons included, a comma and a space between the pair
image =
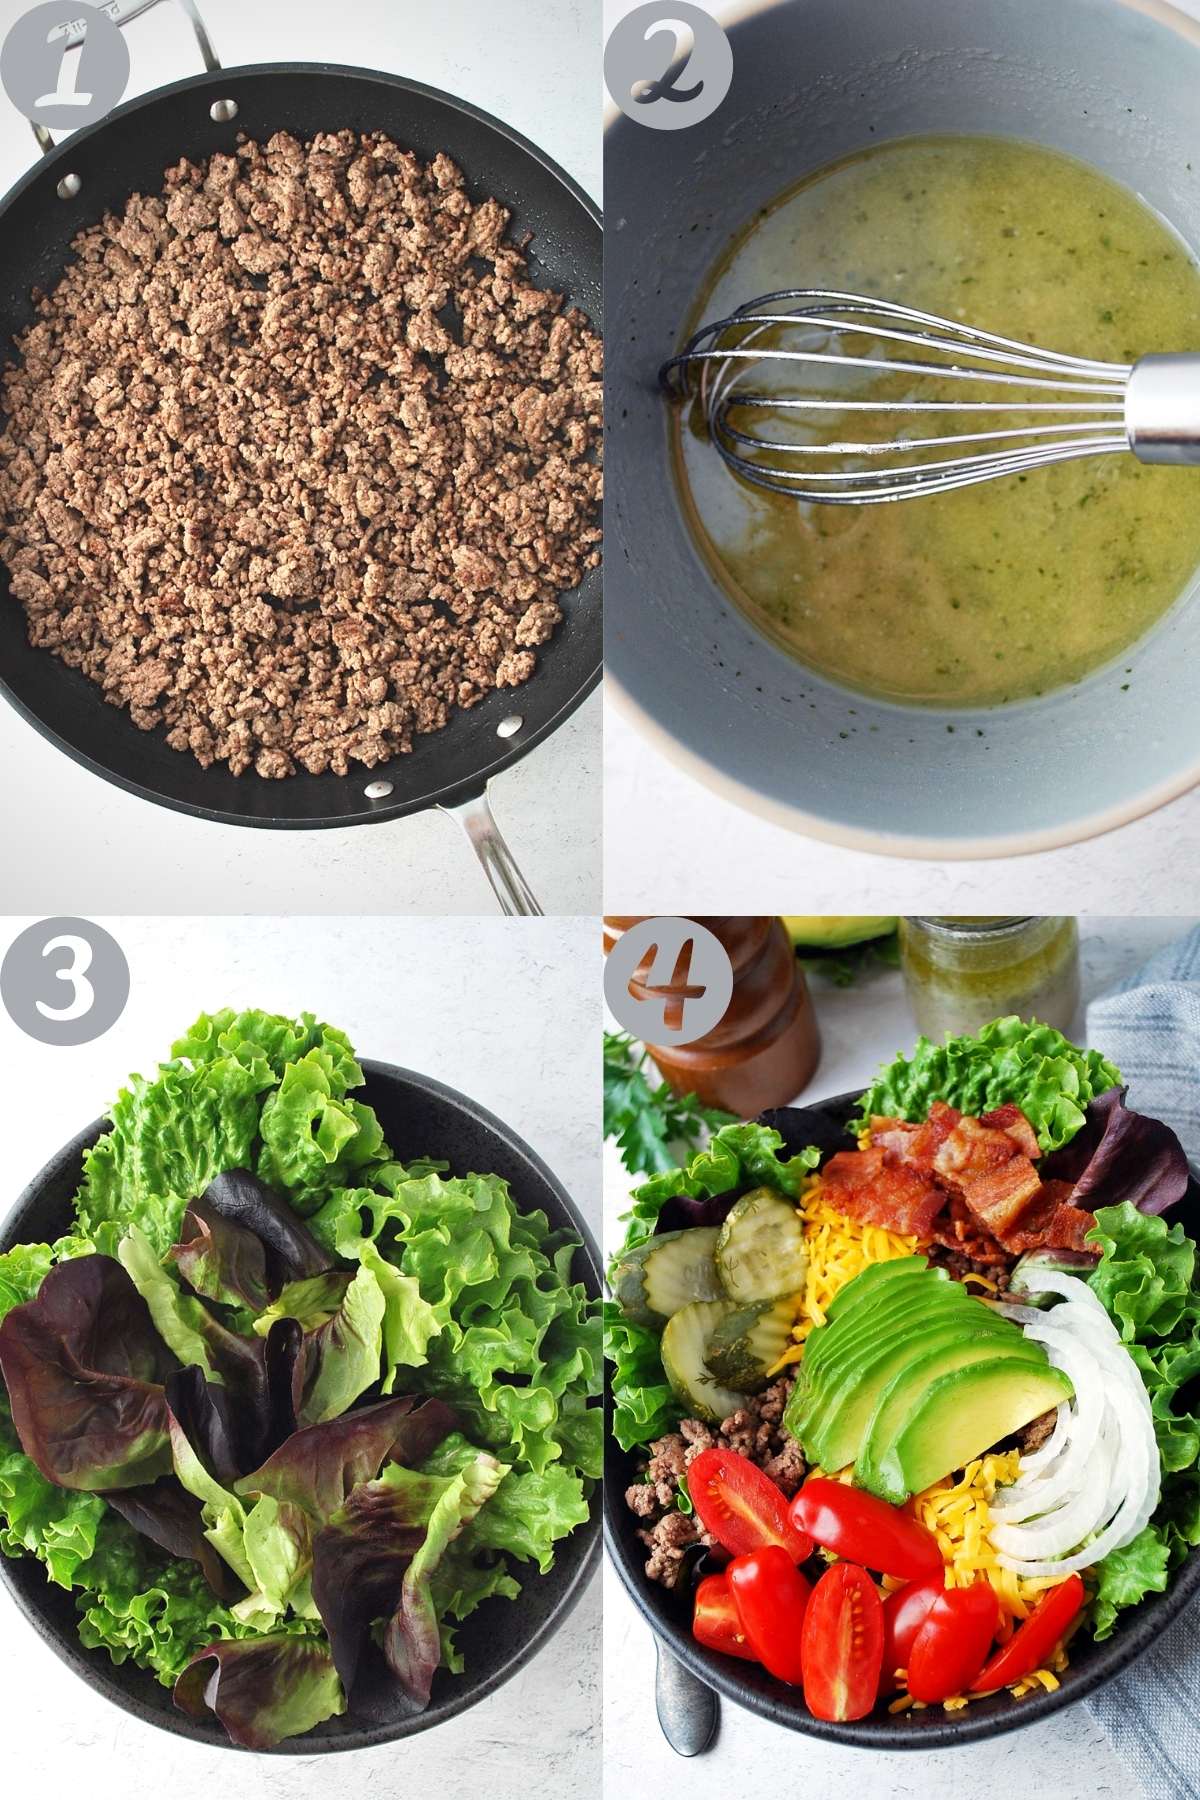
x: 1031, y: 1437
x: 755, y: 1431
x: 297, y: 458
x: 960, y: 1266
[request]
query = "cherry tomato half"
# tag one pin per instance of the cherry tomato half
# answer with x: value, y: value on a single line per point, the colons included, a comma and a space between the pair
x: 951, y: 1646
x: 771, y: 1596
x: 742, y: 1507
x: 1032, y: 1641
x: 843, y: 1644
x: 904, y: 1612
x: 865, y: 1530
x: 715, y: 1621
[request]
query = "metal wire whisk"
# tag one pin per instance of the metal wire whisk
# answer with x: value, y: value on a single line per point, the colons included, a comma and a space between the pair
x: 777, y: 361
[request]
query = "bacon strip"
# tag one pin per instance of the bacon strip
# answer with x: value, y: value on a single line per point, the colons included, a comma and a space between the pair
x: 877, y: 1189
x: 1052, y: 1222
x: 968, y: 1184
x: 1011, y: 1120
x: 1000, y: 1197
x: 958, y: 1229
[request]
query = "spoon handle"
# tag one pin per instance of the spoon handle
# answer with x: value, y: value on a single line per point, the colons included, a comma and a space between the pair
x: 688, y: 1710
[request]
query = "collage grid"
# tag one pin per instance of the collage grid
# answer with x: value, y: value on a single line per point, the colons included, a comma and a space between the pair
x: 679, y: 453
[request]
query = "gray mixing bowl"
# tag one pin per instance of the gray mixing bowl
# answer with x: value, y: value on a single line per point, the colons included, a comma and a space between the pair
x: 1114, y: 82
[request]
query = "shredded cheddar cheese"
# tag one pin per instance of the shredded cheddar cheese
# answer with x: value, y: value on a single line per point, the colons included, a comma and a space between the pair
x: 1040, y: 1679
x: 838, y: 1249
x: 958, y: 1513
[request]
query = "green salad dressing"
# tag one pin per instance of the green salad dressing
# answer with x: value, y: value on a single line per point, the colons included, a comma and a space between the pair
x: 959, y: 973
x: 1014, y: 587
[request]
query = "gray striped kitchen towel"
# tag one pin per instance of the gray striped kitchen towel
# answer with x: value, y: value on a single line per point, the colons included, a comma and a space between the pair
x: 1150, y: 1027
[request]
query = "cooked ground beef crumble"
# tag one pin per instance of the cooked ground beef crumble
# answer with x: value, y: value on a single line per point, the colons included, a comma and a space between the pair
x: 1031, y: 1437
x: 755, y: 1431
x: 297, y: 459
x: 960, y: 1266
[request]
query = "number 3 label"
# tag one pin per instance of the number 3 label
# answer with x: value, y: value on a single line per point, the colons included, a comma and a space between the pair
x: 84, y: 994
x: 60, y: 957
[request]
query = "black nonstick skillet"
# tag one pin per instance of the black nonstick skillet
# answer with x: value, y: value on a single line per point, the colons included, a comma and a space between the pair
x: 96, y: 170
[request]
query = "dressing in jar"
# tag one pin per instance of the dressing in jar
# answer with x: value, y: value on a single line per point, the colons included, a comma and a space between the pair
x: 961, y: 972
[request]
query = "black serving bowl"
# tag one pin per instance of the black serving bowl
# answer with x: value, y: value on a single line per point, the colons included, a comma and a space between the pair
x: 669, y: 1615
x: 420, y: 1117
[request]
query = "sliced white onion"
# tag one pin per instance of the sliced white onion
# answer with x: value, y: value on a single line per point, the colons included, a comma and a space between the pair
x: 1095, y: 1483
x: 1069, y: 1287
x: 1033, y: 1494
x: 1080, y: 1513
x: 1020, y: 1315
x: 1040, y: 1461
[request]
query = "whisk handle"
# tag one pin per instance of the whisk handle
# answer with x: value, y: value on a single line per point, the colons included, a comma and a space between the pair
x: 1162, y: 408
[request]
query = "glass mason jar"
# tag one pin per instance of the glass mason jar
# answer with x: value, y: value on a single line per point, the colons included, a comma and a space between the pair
x: 960, y: 973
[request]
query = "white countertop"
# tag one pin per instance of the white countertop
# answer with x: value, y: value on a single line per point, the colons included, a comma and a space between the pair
x: 534, y: 65
x: 661, y: 824
x: 506, y: 1011
x: 1066, y: 1758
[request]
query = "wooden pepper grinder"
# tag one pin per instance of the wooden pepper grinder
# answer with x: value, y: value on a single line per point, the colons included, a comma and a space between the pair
x: 765, y: 1049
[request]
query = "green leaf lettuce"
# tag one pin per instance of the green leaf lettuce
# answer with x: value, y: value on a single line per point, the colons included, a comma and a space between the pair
x: 1009, y: 1060
x: 1126, y: 1576
x: 443, y: 1287
x: 1146, y: 1280
x: 736, y: 1157
x: 643, y: 1403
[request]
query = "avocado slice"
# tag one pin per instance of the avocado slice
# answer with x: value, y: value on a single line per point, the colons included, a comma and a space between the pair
x: 864, y: 1291
x: 884, y: 1296
x: 834, y: 931
x: 874, y: 1276
x: 919, y: 1307
x: 935, y: 1355
x: 873, y: 1320
x: 918, y: 1313
x: 964, y: 1413
x: 838, y: 1435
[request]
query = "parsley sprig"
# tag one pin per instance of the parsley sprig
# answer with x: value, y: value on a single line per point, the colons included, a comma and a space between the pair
x: 647, y: 1120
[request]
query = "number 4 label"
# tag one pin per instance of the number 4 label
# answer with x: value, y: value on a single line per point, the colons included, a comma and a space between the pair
x: 668, y: 980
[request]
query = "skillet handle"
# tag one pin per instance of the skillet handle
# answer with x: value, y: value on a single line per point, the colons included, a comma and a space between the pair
x: 121, y: 12
x: 499, y: 865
